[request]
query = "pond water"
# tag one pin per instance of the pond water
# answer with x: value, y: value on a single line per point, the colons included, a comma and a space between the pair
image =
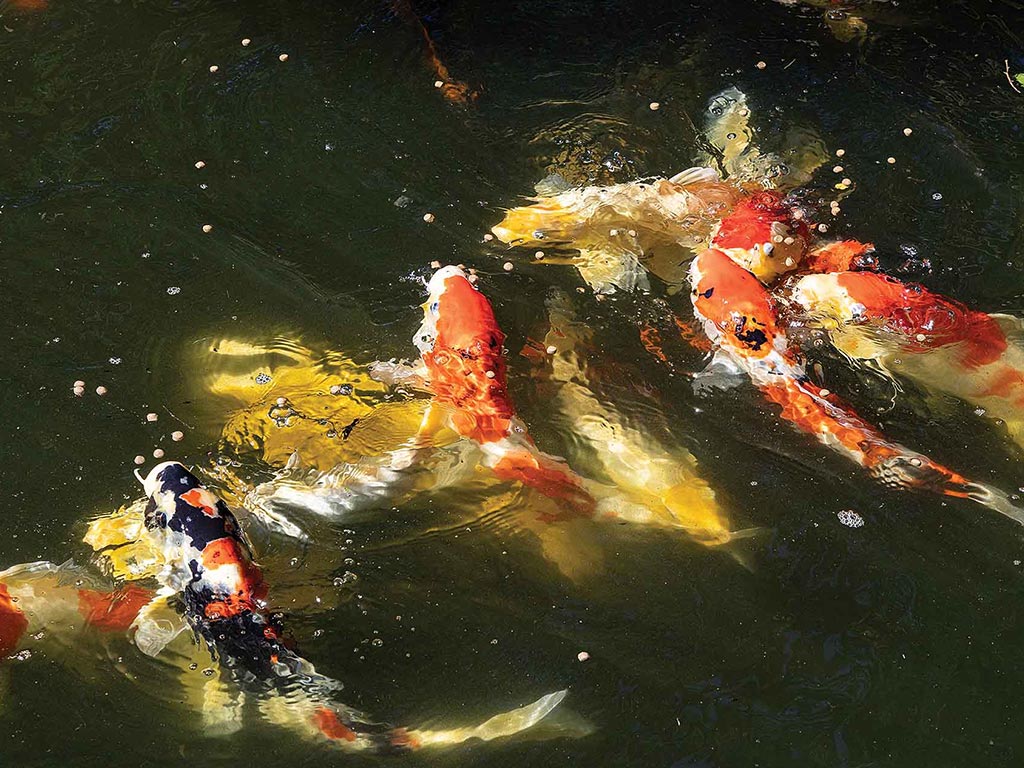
x: 806, y: 643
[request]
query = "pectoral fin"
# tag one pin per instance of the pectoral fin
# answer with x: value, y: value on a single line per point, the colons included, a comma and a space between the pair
x: 157, y: 624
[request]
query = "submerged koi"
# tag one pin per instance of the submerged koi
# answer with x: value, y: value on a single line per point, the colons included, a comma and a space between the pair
x: 210, y: 577
x: 740, y: 317
x: 62, y: 601
x: 614, y: 228
x: 909, y: 331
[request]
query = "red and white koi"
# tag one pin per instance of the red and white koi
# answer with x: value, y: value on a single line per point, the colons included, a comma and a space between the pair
x: 42, y: 601
x: 909, y: 331
x: 210, y: 574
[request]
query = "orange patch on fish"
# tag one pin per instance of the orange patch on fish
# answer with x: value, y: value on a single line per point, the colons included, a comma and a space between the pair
x: 916, y: 312
x: 842, y: 256
x: 750, y: 221
x: 736, y: 302
x: 553, y: 480
x: 468, y: 347
x: 250, y: 586
x: 329, y: 724
x: 112, y: 611
x: 13, y: 623
x: 200, y: 498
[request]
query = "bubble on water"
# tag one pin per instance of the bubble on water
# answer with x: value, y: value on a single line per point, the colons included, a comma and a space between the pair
x: 208, y: 672
x: 262, y: 378
x: 850, y: 519
x: 173, y: 290
x: 346, y: 578
x: 318, y: 633
x: 937, y: 196
x: 193, y: 666
x: 377, y: 642
x: 23, y: 655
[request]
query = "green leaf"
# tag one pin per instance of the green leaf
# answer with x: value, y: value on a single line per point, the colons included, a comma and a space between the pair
x: 1019, y: 77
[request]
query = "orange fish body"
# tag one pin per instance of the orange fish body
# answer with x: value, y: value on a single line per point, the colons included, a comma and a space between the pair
x: 462, y: 350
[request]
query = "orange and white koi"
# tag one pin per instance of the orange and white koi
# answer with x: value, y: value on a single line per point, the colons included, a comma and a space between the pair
x: 59, y: 603
x: 219, y: 589
x: 911, y: 332
x: 740, y: 317
x: 462, y: 351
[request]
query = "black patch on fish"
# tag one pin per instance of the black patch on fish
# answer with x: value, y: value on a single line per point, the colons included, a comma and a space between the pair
x: 708, y: 293
x: 346, y: 431
x: 752, y: 337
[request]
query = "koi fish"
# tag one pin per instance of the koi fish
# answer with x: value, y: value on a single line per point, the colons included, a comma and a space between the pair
x: 613, y: 228
x: 620, y: 232
x: 740, y: 317
x: 468, y: 422
x: 662, y: 479
x: 62, y: 601
x: 909, y: 331
x: 211, y: 580
x: 453, y: 90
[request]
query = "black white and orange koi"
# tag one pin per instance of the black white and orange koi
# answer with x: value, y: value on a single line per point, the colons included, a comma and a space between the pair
x: 210, y: 576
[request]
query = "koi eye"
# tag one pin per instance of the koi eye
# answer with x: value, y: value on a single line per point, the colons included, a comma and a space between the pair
x: 768, y: 248
x: 539, y: 235
x: 434, y: 306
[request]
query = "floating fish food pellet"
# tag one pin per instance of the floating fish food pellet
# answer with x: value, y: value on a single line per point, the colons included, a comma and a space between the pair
x: 79, y: 383
x: 508, y: 266
x: 177, y: 436
x: 435, y: 265
x: 761, y: 65
x: 488, y: 237
x: 158, y: 453
x: 200, y: 165
x: 428, y: 217
x: 246, y: 41
x: 655, y: 106
x: 552, y: 349
x: 582, y: 656
x: 439, y: 83
x: 214, y: 68
x: 101, y: 391
x: 207, y: 228
x: 140, y: 459
x: 151, y: 417
x: 283, y: 57
x: 490, y: 374
x: 79, y: 391
x: 891, y: 161
x: 840, y: 152
x: 907, y: 131
x: 538, y: 255
x: 837, y: 169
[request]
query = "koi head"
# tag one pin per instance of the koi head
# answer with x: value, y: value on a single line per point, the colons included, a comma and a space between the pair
x: 735, y: 306
x: 761, y: 235
x: 550, y: 221
x: 463, y: 351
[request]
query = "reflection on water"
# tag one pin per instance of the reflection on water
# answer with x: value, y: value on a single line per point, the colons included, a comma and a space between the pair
x: 806, y: 643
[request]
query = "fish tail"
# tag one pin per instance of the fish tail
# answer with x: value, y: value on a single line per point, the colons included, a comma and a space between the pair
x: 351, y: 730
x: 548, y: 475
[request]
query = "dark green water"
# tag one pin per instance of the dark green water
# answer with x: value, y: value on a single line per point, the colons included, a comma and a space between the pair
x: 896, y: 644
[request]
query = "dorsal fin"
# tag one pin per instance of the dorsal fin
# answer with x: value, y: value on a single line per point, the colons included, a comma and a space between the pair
x: 697, y: 174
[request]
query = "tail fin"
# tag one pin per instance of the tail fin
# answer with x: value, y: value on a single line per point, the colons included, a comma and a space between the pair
x: 546, y: 474
x: 351, y: 730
